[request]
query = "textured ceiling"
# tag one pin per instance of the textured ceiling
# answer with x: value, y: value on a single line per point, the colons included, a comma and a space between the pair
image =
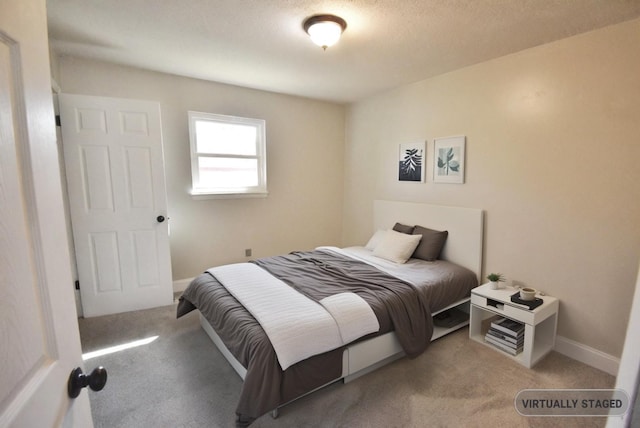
x: 261, y: 44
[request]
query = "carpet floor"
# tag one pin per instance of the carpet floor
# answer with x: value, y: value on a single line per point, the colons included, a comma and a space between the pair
x: 181, y: 380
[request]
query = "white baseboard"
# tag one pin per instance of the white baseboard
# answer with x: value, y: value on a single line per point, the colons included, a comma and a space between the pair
x: 585, y: 354
x: 181, y: 284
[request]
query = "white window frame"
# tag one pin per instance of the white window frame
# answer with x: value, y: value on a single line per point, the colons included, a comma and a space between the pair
x: 200, y: 191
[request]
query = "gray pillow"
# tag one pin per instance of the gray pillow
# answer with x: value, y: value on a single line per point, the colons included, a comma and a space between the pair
x: 431, y: 243
x: 403, y: 228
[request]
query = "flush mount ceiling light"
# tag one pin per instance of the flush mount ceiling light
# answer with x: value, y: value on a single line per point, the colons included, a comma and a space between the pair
x: 324, y: 30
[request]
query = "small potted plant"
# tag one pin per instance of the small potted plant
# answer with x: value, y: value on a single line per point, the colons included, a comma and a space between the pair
x: 494, y: 280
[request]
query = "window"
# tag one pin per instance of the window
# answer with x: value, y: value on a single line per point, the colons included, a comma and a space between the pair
x: 228, y: 155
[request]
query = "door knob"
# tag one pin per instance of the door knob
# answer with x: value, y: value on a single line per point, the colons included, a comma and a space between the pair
x: 160, y: 218
x: 78, y: 380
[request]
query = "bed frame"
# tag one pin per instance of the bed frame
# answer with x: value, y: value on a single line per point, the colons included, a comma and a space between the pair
x: 463, y: 247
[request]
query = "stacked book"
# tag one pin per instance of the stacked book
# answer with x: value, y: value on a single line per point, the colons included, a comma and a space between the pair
x: 507, y: 335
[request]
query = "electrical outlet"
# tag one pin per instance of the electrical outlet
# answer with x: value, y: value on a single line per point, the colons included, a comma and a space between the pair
x: 247, y: 252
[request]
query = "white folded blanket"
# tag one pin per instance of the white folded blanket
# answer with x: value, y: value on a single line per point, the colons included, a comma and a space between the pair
x: 352, y: 313
x: 297, y: 326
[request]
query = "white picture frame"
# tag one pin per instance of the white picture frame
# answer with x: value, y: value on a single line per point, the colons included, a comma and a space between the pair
x: 449, y: 159
x: 411, y: 162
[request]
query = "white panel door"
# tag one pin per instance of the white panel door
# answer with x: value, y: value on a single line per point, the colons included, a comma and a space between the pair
x: 39, y: 340
x: 117, y: 197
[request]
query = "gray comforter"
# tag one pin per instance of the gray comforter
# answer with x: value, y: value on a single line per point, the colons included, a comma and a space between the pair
x: 398, y: 306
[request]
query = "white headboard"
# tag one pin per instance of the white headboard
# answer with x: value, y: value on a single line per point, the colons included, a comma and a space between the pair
x: 465, y: 226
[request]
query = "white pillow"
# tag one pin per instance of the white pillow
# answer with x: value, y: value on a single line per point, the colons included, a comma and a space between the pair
x: 396, y: 247
x: 375, y: 239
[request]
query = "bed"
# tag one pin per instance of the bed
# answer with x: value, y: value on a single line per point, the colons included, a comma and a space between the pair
x: 402, y: 299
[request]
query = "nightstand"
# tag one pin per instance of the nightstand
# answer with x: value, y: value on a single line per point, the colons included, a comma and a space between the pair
x: 540, y: 324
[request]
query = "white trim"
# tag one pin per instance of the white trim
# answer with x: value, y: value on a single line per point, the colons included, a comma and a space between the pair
x: 180, y: 285
x: 588, y: 355
x: 55, y: 88
x: 198, y: 196
x: 629, y: 372
x: 260, y: 156
x: 78, y: 303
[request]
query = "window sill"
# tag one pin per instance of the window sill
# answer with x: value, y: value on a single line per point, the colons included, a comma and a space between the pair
x: 204, y: 195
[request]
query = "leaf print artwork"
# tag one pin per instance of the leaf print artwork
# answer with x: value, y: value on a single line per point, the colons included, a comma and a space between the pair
x: 448, y: 161
x: 410, y: 162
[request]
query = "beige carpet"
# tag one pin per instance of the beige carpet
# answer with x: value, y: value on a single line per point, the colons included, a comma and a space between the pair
x: 180, y: 380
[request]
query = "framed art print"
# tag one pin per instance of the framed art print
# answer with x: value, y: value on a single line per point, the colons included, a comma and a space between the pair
x: 411, y: 166
x: 448, y: 160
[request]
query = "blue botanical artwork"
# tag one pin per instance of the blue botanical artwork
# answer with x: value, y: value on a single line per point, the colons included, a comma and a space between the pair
x: 411, y: 162
x: 448, y: 159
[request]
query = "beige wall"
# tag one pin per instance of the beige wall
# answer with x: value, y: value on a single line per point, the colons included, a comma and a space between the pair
x: 305, y: 154
x: 553, y: 145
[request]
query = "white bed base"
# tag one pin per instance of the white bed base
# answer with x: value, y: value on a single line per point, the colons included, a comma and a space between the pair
x: 358, y: 359
x: 463, y: 247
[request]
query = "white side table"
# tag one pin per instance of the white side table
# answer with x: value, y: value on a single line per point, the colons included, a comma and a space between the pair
x: 540, y: 323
